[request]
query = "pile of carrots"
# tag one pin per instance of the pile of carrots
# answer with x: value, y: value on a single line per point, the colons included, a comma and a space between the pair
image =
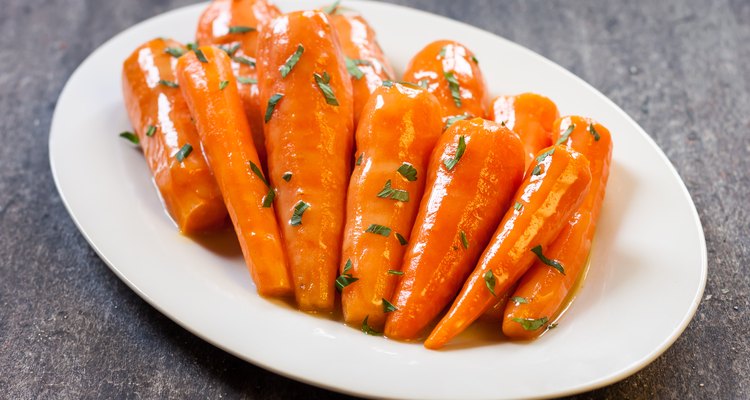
x: 408, y: 197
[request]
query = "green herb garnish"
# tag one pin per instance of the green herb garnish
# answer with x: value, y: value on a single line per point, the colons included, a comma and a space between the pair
x: 593, y: 131
x: 223, y: 84
x: 272, y: 105
x: 201, y: 57
x: 368, y: 329
x: 531, y: 324
x: 345, y: 279
x: 287, y: 176
x: 299, y: 209
x: 474, y: 58
x: 241, y: 29
x: 394, y: 272
x: 464, y: 240
x: 175, y: 52
x: 352, y: 67
x: 131, y: 137
x: 191, y: 46
x: 450, y: 121
x: 246, y: 80
x: 230, y: 50
x: 359, y: 159
x: 291, y: 61
x: 519, y: 300
x: 537, y: 170
x: 518, y: 206
x: 423, y: 83
x: 394, y: 194
x: 268, y: 198
x: 150, y: 131
x: 544, y: 155
x: 489, y: 280
x: 408, y: 172
x: 402, y: 240
x: 564, y: 137
x: 454, y: 87
x: 168, y: 83
x: 323, y: 83
x: 388, y: 307
x: 256, y: 170
x: 451, y: 163
x: 552, y: 263
x: 184, y: 151
x: 244, y: 60
x: 379, y: 230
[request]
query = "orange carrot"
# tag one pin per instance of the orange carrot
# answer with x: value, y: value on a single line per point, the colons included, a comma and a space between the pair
x: 162, y: 122
x: 365, y: 61
x: 451, y: 72
x: 399, y: 128
x: 307, y: 96
x: 530, y: 116
x: 549, y: 195
x: 233, y: 25
x: 461, y: 209
x: 207, y: 82
x: 542, y: 291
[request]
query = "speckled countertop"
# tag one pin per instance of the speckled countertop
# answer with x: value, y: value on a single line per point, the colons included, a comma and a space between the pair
x: 70, y: 329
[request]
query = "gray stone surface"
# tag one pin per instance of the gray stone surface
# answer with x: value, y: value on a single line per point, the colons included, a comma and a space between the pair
x: 70, y: 329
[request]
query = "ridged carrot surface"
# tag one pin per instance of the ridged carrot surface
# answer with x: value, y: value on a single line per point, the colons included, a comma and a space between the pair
x: 542, y: 292
x: 306, y: 94
x: 208, y: 85
x: 400, y: 126
x: 366, y: 62
x: 451, y: 72
x: 550, y: 193
x: 233, y: 25
x: 530, y: 115
x: 461, y: 209
x: 161, y: 120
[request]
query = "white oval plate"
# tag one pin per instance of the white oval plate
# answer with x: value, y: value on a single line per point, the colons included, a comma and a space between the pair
x: 648, y: 266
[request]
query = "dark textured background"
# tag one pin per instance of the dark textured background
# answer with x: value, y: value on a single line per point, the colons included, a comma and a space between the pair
x: 70, y: 329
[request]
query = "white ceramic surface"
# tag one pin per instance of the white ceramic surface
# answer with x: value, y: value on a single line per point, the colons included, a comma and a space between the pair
x: 648, y: 266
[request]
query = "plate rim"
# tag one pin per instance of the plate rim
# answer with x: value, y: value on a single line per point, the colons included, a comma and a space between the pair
x: 624, y: 373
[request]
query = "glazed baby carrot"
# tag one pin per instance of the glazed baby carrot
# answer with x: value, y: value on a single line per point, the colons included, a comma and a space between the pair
x: 542, y: 292
x: 365, y: 61
x: 233, y: 25
x: 530, y: 116
x: 206, y: 79
x: 161, y: 120
x: 548, y: 196
x: 306, y: 93
x: 451, y: 72
x: 462, y: 207
x: 399, y: 128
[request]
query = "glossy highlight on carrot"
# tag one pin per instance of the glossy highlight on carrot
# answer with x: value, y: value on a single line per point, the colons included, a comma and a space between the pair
x: 461, y: 209
x: 451, y: 72
x: 543, y: 290
x: 529, y: 115
x: 399, y: 128
x: 546, y: 199
x: 233, y: 26
x: 309, y: 139
x: 365, y: 61
x: 162, y: 122
x: 207, y: 82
